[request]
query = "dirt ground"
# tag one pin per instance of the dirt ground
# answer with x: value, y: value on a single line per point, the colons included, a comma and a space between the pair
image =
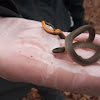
x: 92, y: 13
x: 92, y: 16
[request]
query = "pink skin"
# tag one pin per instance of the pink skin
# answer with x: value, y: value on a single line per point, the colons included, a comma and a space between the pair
x: 26, y: 56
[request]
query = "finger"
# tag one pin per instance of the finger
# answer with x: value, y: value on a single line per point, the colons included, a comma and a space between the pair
x: 84, y: 36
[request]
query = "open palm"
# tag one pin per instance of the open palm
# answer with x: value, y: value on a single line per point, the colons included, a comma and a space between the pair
x: 26, y: 56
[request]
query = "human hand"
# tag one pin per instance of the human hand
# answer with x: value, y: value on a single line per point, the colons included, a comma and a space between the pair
x: 26, y: 56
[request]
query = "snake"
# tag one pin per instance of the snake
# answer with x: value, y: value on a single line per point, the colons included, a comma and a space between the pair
x: 70, y: 46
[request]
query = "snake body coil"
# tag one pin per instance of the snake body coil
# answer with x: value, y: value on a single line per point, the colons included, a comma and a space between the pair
x: 70, y: 46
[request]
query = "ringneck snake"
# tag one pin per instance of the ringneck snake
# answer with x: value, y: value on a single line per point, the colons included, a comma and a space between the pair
x: 70, y: 46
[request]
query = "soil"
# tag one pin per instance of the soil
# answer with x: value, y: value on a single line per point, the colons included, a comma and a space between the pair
x: 92, y: 13
x: 92, y: 17
x: 33, y: 95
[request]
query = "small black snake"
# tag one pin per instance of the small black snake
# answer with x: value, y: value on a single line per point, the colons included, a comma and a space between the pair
x: 70, y: 46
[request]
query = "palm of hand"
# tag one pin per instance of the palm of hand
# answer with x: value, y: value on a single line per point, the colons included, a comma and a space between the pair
x: 26, y: 55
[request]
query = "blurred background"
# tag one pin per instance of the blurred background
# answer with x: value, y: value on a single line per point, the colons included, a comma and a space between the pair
x: 92, y: 13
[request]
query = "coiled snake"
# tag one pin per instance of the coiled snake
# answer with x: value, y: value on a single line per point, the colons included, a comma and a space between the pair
x: 70, y: 46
